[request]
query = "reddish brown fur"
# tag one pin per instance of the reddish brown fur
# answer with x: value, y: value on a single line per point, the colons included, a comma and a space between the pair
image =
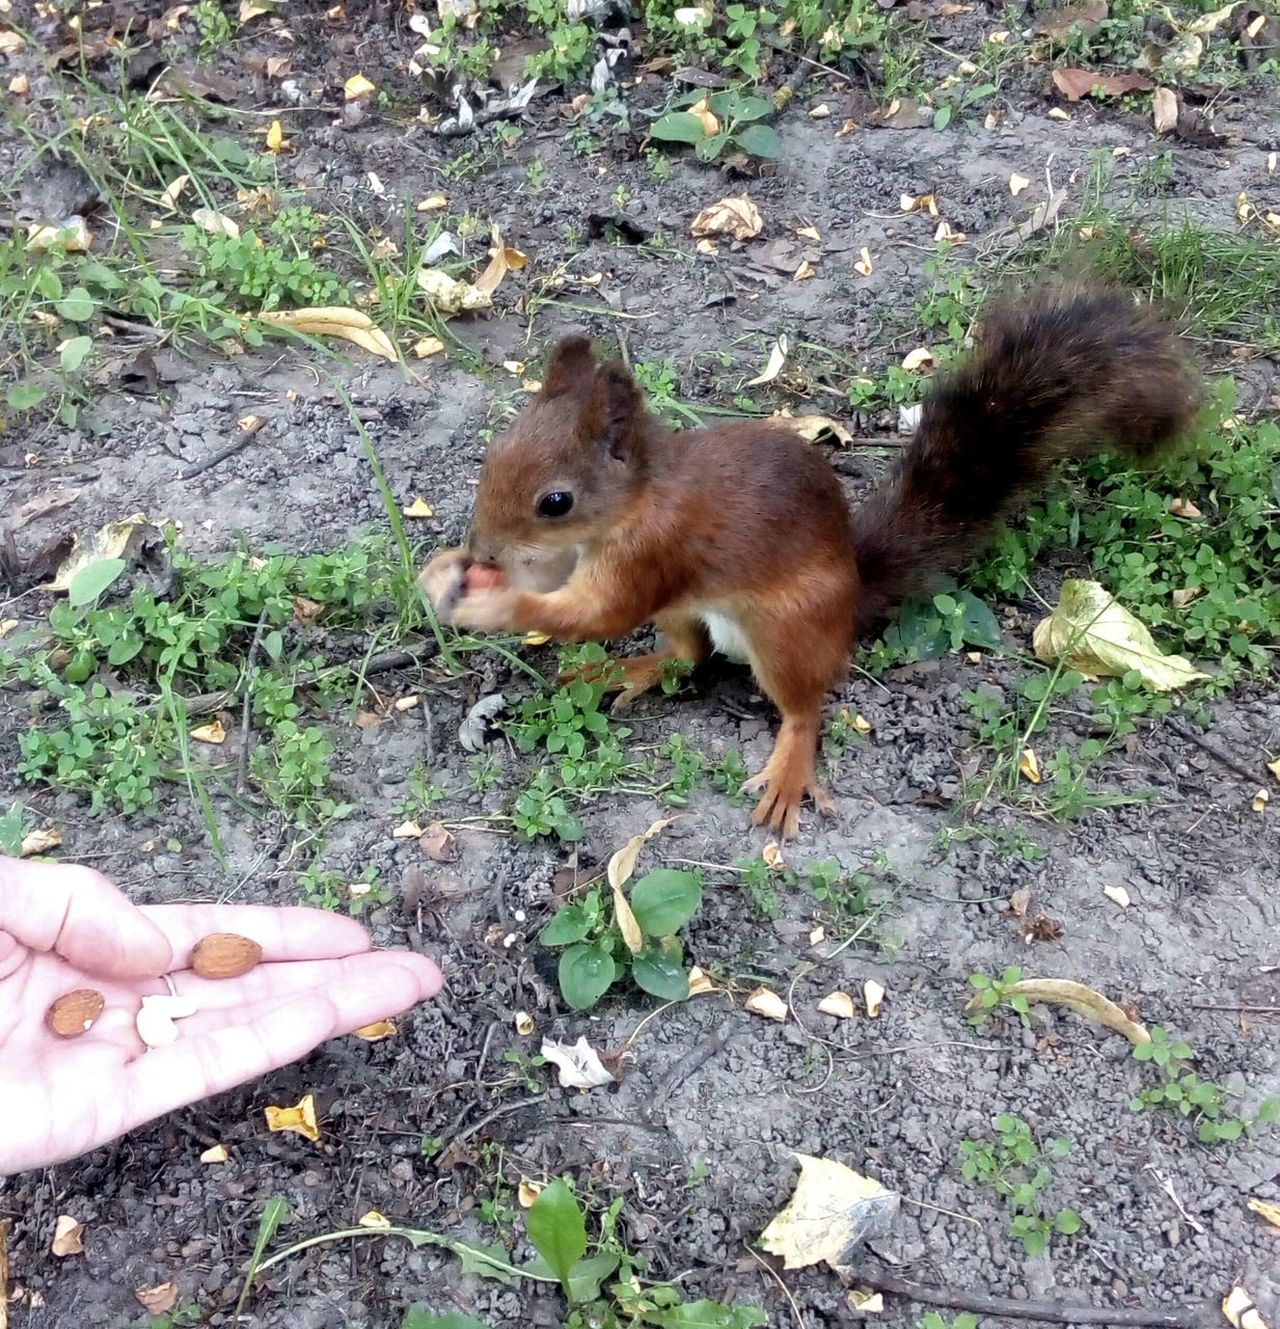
x: 746, y: 523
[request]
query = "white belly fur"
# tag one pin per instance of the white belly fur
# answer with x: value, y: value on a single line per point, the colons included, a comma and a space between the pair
x: 726, y: 635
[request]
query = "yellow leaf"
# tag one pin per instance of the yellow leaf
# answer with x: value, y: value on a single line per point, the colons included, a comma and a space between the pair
x: 737, y: 217
x: 376, y: 1032
x: 419, y: 508
x: 837, y: 1004
x: 170, y: 196
x: 449, y: 295
x: 1017, y: 183
x: 214, y: 732
x: 809, y: 233
x: 1238, y: 1306
x: 813, y: 427
x: 772, y: 856
x: 804, y: 271
x: 699, y: 983
x: 536, y: 638
x: 1029, y: 765
x: 832, y: 1209
x: 357, y: 86
x: 300, y: 1119
x: 1089, y: 631
x: 372, y: 1218
x: 407, y: 830
x: 426, y: 346
x: 275, y: 136
x: 628, y: 927
x: 863, y: 265
x: 334, y: 321
x: 249, y: 424
x: 433, y: 203
x: 764, y: 1001
x: 873, y: 995
x: 1260, y: 801
x: 1274, y: 767
x: 527, y: 1192
x: 1083, y: 1000
x: 1270, y: 1212
x: 216, y: 1153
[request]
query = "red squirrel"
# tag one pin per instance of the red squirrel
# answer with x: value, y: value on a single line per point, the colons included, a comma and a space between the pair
x: 592, y: 518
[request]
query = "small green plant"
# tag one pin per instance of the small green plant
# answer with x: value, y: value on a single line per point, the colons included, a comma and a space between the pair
x: 729, y: 120
x: 13, y: 829
x: 1181, y: 1089
x: 602, y: 948
x: 928, y: 629
x: 994, y: 992
x: 1013, y: 1164
x: 932, y: 1320
x: 214, y: 25
x: 542, y: 809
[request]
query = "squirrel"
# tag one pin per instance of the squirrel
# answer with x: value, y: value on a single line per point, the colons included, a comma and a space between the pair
x: 592, y: 518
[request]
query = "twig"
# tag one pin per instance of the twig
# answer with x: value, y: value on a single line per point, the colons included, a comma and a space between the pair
x: 199, y: 467
x: 251, y: 660
x: 1050, y: 1312
x: 777, y: 1278
x: 1208, y: 745
x: 487, y: 1120
x: 1241, y: 1009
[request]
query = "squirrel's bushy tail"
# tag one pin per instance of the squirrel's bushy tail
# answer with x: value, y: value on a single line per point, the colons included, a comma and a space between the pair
x: 1060, y: 374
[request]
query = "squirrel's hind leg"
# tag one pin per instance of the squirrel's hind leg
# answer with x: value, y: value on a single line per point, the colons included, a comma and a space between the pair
x: 788, y: 777
x: 632, y: 676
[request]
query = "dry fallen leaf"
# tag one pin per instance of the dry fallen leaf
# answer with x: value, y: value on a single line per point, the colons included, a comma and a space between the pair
x: 1260, y: 801
x: 426, y: 346
x: 450, y: 296
x: 334, y: 321
x: 1238, y: 1306
x: 524, y: 1024
x: 300, y: 1119
x: 433, y: 203
x: 809, y: 233
x: 170, y: 196
x: 1270, y: 1212
x: 1020, y: 901
x: 407, y: 830
x: 357, y: 86
x: 832, y: 1210
x: 804, y: 272
x: 275, y: 137
x: 1164, y: 110
x: 838, y: 1004
x: 502, y: 259
x: 764, y: 1001
x: 578, y: 1063
x: 68, y: 1236
x: 699, y: 982
x: 1118, y: 894
x: 1077, y: 83
x: 216, y: 1153
x: 527, y: 1192
x: 920, y: 358
x: 376, y: 1032
x: 873, y: 996
x: 214, y: 732
x: 863, y: 1301
x: 438, y: 843
x: 1184, y: 507
x: 71, y: 234
x: 371, y: 1218
x: 772, y: 855
x: 418, y: 510
x: 39, y: 842
x: 1274, y: 767
x: 863, y: 264
x: 1017, y: 183
x: 215, y: 223
x: 1083, y: 1000
x: 813, y: 427
x: 777, y: 358
x: 737, y: 217
x: 1029, y: 765
x: 159, y: 1299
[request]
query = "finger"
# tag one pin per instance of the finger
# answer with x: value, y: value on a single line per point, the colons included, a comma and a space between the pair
x: 290, y: 933
x: 273, y: 1034
x: 77, y: 913
x: 282, y: 982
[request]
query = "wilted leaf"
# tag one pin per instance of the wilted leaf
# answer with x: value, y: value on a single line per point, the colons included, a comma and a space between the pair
x: 1118, y: 895
x: 1239, y: 1308
x: 109, y: 547
x: 1270, y: 1212
x: 764, y: 1001
x: 1017, y: 183
x: 159, y: 1299
x: 170, y: 196
x: 439, y: 844
x: 737, y: 217
x: 622, y: 864
x: 1029, y: 765
x: 833, y: 1210
x: 426, y: 346
x: 215, y: 223
x: 1077, y: 83
x: 502, y: 259
x: 301, y: 1119
x: 1083, y: 1000
x: 275, y: 136
x: 40, y: 842
x: 579, y: 1064
x: 873, y: 995
x: 216, y: 1153
x: 777, y: 358
x: 450, y: 296
x: 334, y: 321
x: 1089, y: 631
x: 68, y: 1236
x: 213, y: 732
x: 418, y: 509
x: 357, y: 86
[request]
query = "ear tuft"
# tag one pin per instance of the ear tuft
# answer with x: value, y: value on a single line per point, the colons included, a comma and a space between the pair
x: 570, y: 365
x: 617, y: 409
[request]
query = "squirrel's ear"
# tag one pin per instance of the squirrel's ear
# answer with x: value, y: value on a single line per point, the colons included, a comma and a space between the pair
x: 570, y: 365
x: 617, y: 408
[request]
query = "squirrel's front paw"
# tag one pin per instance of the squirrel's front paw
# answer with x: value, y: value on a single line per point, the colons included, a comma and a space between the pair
x: 443, y: 581
x: 486, y: 610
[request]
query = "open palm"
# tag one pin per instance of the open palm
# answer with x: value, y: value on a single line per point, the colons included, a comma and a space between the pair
x: 64, y: 927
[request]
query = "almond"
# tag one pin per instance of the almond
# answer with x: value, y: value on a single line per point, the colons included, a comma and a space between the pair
x: 225, y: 955
x: 73, y: 1013
x: 483, y: 577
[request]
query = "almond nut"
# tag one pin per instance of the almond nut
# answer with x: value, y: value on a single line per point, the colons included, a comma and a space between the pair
x: 73, y: 1013
x: 225, y: 955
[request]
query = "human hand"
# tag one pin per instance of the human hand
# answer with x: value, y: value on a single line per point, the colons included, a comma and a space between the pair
x: 64, y: 927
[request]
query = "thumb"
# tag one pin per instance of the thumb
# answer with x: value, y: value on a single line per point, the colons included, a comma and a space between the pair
x: 76, y: 913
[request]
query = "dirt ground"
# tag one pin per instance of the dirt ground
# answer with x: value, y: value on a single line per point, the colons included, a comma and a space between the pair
x: 699, y: 1134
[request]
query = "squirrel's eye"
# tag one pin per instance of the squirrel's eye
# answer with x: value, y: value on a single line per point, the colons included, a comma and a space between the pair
x: 557, y: 503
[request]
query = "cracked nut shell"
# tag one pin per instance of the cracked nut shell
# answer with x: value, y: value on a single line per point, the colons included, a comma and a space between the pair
x: 74, y: 1013
x: 224, y: 955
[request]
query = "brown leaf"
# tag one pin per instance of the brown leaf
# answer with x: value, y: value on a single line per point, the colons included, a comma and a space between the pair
x: 159, y: 1299
x: 301, y: 1118
x: 1044, y: 928
x: 737, y: 217
x: 40, y: 506
x: 439, y: 844
x: 1059, y: 22
x: 1019, y: 901
x: 306, y: 611
x: 40, y: 842
x: 1077, y: 83
x: 68, y: 1236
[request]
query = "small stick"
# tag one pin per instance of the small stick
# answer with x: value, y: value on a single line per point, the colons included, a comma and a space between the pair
x: 199, y: 467
x: 1243, y: 1009
x: 1050, y: 1312
x: 242, y: 776
x: 1208, y: 745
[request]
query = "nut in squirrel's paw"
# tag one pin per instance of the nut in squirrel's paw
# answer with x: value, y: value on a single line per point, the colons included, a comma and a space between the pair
x: 484, y: 577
